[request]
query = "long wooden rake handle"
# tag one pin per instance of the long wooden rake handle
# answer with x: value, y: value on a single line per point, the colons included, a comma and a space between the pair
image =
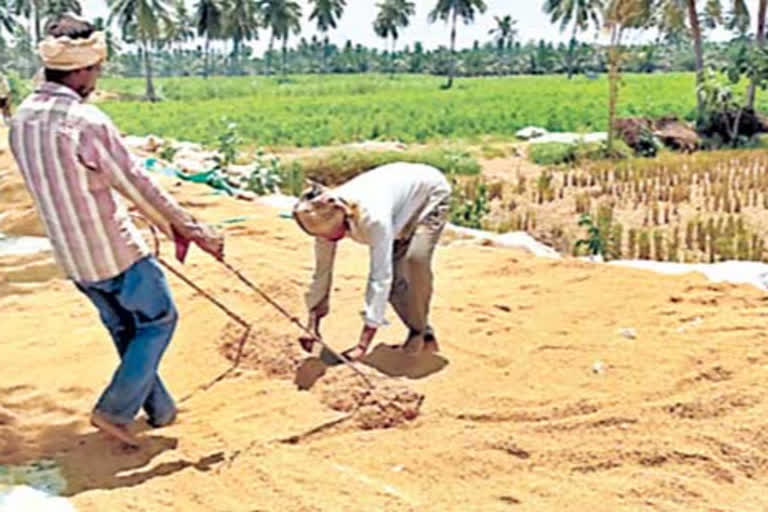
x: 294, y: 320
x: 237, y: 318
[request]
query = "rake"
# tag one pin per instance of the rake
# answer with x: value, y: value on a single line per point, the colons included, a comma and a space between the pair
x: 239, y: 319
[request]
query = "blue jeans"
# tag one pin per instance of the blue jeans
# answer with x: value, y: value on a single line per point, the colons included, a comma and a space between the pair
x: 138, y: 311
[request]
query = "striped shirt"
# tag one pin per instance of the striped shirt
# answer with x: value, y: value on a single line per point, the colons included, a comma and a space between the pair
x: 75, y: 164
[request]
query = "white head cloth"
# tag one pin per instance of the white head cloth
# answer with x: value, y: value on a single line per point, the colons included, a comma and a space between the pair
x: 68, y: 54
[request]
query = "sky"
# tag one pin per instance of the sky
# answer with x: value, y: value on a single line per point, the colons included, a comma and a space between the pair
x: 357, y: 21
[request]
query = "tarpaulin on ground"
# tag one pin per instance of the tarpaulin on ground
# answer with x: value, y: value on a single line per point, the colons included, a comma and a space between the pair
x: 212, y: 178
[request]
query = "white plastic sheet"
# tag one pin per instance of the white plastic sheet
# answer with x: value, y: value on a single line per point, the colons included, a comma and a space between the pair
x: 22, y: 498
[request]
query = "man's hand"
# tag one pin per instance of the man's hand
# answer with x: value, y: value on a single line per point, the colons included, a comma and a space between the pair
x: 211, y: 241
x: 208, y: 240
x: 307, y: 342
x: 212, y: 245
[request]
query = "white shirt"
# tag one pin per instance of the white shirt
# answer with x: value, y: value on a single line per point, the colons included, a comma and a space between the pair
x: 392, y: 200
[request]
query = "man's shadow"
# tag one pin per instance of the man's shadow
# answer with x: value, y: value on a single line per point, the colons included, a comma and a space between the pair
x: 387, y: 359
x: 93, y: 461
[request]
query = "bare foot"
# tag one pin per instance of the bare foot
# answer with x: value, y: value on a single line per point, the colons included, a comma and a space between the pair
x: 355, y: 353
x: 114, y: 430
x: 414, y: 345
x: 431, y: 346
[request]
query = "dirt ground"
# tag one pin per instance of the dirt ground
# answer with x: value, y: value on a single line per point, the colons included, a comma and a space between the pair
x: 535, y: 403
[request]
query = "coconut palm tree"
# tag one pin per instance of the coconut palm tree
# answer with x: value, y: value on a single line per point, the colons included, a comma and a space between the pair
x: 452, y: 10
x: 393, y: 15
x: 762, y: 7
x: 383, y: 28
x: 182, y: 28
x: 241, y: 21
x: 282, y: 17
x: 38, y: 11
x: 738, y: 19
x: 579, y: 14
x: 7, y: 21
x: 142, y: 21
x: 504, y: 33
x: 52, y: 9
x: 327, y: 13
x: 209, y: 22
x: 32, y: 11
x: 112, y: 46
x: 618, y: 16
x: 676, y: 15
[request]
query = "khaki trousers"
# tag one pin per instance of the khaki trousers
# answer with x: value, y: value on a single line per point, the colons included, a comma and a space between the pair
x: 412, y: 281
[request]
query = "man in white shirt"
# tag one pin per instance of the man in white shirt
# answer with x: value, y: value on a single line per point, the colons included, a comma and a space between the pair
x: 399, y: 210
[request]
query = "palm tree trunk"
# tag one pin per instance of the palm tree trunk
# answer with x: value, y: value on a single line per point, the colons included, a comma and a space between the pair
x: 150, y: 94
x: 452, y: 70
x: 206, y: 57
x: 236, y: 55
x: 571, y: 48
x: 698, y: 49
x: 613, y: 82
x: 392, y: 57
x: 268, y: 67
x: 212, y: 60
x: 285, y: 54
x: 760, y: 39
x: 37, y: 22
x: 325, y: 54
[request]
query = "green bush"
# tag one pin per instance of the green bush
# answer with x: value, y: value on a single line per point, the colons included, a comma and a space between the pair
x: 599, y: 151
x: 293, y: 179
x: 759, y: 141
x: 488, y: 151
x: 558, y: 153
x: 340, y: 166
x: 470, y: 203
x: 553, y: 153
x: 270, y: 175
x: 20, y: 88
x: 264, y: 180
x: 267, y: 176
x: 595, y: 240
x: 448, y: 160
x: 228, y: 141
x: 621, y: 151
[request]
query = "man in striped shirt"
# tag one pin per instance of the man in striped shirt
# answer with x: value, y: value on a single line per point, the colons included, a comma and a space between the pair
x: 75, y: 164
